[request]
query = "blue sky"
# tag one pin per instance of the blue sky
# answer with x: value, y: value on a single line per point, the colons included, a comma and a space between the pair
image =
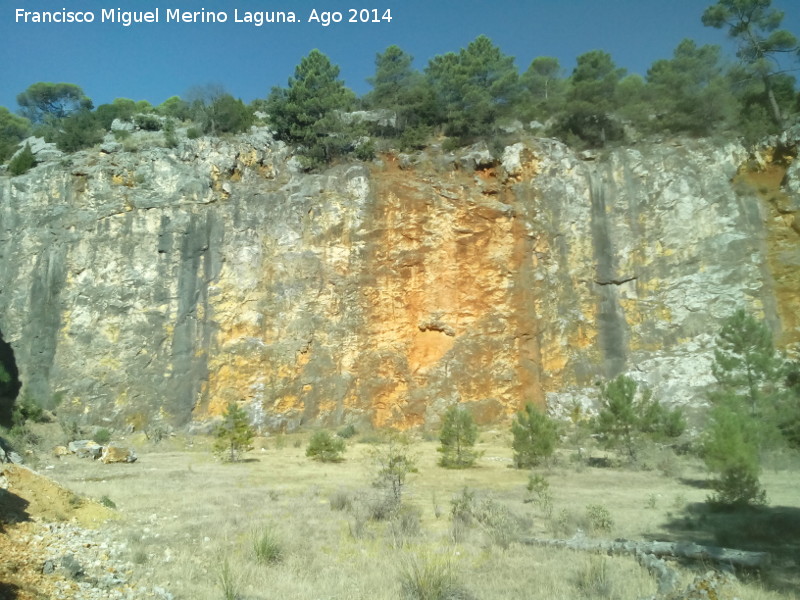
x: 153, y: 61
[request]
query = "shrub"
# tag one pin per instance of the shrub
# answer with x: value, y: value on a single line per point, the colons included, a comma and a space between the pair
x: 594, y: 579
x: 599, y: 518
x: 267, y: 548
x: 501, y: 526
x: 539, y: 490
x: 234, y: 436
x: 22, y: 162
x: 102, y: 436
x: 393, y: 462
x: 228, y: 581
x: 77, y: 131
x: 404, y: 524
x: 365, y: 151
x: 170, y: 136
x: 535, y: 436
x: 325, y: 448
x: 462, y: 507
x: 148, y: 122
x: 341, y: 500
x: 626, y: 414
x: 429, y: 577
x: 347, y: 431
x: 458, y: 436
x: 730, y: 452
x: 193, y: 133
x: 108, y: 502
x: 27, y: 410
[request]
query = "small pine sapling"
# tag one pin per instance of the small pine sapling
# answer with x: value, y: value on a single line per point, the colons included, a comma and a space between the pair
x: 458, y: 437
x: 535, y: 437
x: 234, y: 436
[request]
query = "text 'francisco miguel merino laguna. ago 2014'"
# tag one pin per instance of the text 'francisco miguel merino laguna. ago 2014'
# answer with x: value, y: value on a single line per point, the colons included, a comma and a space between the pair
x: 127, y: 18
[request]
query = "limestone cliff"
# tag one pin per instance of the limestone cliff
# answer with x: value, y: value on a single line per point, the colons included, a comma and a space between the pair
x: 162, y: 284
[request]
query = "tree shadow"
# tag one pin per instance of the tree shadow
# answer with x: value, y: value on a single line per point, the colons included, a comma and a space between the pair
x: 13, y: 509
x: 772, y: 529
x: 8, y: 591
x: 701, y: 484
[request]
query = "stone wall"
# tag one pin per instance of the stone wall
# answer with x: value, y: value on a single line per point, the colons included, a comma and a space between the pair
x: 162, y: 284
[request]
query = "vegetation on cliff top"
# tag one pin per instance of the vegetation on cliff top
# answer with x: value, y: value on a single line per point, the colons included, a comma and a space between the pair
x: 475, y: 93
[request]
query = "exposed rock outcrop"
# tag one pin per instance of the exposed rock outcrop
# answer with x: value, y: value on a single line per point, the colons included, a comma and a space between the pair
x: 163, y: 284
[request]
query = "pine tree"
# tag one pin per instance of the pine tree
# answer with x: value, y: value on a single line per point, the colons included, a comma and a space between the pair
x: 325, y: 447
x: 13, y: 129
x: 627, y: 414
x: 234, y: 436
x: 730, y: 451
x: 458, y: 437
x: 689, y: 92
x: 591, y: 100
x: 473, y: 88
x: 746, y: 416
x: 307, y: 112
x: 544, y: 85
x: 618, y: 417
x: 749, y: 371
x: 754, y: 25
x: 535, y: 437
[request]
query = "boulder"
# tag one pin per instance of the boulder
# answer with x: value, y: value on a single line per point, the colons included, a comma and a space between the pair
x: 118, y: 454
x: 120, y: 125
x: 477, y: 156
x: 43, y: 151
x: 85, y: 449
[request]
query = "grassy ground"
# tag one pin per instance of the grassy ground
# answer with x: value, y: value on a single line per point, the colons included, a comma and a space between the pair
x: 272, y: 527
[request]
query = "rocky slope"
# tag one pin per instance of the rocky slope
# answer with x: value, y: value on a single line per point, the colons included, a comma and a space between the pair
x: 159, y: 285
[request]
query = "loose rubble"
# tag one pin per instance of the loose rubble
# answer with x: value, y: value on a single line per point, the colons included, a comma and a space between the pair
x: 65, y: 561
x: 48, y: 551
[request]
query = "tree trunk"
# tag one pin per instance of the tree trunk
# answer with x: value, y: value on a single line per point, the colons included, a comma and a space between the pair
x: 690, y: 550
x: 777, y: 116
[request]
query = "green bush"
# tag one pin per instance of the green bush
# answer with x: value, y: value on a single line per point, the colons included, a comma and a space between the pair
x: 148, y: 122
x: 393, y: 463
x: 170, y: 136
x: 78, y: 131
x: 325, y: 447
x: 458, y: 437
x: 599, y: 518
x: 234, y: 436
x: 347, y: 431
x: 626, y: 414
x: 535, y: 437
x: 108, y: 502
x: 193, y: 133
x: 23, y: 162
x: 365, y: 151
x: 730, y: 451
x: 102, y: 436
x: 430, y: 577
x: 539, y: 489
x: 267, y: 548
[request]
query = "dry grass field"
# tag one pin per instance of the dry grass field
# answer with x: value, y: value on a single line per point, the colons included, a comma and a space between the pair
x: 279, y: 525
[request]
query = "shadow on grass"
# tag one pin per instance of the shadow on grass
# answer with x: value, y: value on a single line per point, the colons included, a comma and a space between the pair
x: 701, y: 484
x: 772, y: 529
x: 13, y: 509
x: 8, y: 591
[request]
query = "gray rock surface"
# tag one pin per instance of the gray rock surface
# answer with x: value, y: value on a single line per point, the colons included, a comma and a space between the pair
x: 159, y: 285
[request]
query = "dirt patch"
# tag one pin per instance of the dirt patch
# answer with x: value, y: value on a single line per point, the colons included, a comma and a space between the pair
x: 28, y: 501
x: 28, y: 495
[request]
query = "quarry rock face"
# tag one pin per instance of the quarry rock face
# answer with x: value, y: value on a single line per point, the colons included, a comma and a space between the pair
x: 160, y: 285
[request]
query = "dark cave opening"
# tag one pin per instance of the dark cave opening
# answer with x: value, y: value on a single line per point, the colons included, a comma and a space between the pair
x: 9, y: 382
